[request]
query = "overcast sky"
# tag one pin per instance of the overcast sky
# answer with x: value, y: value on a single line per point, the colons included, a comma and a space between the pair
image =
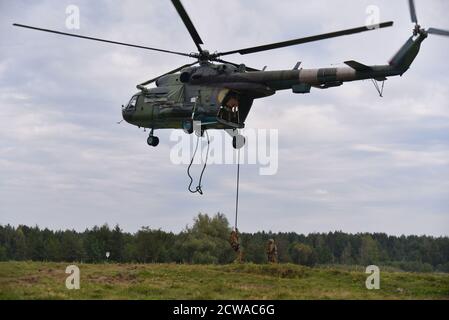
x: 348, y: 160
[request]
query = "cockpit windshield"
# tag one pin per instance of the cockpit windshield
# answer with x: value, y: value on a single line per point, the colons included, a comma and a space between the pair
x: 132, y: 104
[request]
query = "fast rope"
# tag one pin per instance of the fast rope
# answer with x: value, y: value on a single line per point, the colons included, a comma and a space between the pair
x: 234, y: 239
x: 237, y: 193
x: 198, y: 189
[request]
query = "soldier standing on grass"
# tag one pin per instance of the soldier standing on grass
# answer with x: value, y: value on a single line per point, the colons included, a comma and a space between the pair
x: 272, y: 251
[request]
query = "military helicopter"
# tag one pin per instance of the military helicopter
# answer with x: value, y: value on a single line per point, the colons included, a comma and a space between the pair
x: 220, y: 95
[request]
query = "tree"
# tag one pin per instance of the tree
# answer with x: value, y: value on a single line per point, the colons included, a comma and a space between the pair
x: 254, y: 247
x: 52, y: 250
x: 97, y: 242
x: 151, y: 245
x: 3, y: 254
x: 71, y: 247
x: 346, y: 255
x: 283, y: 249
x: 19, y: 245
x: 302, y: 254
x: 117, y: 244
x: 207, y: 241
x: 369, y: 251
x: 35, y: 244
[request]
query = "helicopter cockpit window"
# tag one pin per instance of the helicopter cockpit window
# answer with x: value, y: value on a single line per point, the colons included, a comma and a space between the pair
x: 132, y: 104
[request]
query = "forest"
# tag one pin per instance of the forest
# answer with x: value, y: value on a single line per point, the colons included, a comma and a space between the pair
x: 206, y: 242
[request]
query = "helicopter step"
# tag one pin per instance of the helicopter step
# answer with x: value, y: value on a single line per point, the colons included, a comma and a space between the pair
x: 152, y: 140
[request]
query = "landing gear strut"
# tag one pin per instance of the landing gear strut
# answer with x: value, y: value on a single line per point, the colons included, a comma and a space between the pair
x: 152, y: 140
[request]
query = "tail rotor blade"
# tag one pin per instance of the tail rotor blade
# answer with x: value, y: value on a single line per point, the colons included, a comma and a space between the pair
x: 413, y: 11
x: 439, y: 32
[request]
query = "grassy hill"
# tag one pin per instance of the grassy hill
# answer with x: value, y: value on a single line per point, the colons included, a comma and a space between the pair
x: 33, y: 280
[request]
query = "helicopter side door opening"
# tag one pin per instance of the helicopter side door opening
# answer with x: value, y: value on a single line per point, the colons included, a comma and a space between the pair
x: 229, y: 111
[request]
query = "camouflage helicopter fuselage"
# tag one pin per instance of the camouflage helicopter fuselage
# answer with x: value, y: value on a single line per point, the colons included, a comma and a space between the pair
x: 198, y: 93
x: 179, y: 98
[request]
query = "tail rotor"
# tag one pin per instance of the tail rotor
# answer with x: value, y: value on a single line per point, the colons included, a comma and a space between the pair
x: 421, y: 31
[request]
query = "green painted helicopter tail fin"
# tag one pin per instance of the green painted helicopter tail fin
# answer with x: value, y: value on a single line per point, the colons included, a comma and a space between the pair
x: 407, y: 54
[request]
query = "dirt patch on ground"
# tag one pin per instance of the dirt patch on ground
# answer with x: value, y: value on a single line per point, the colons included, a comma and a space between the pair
x: 126, y: 277
x: 275, y: 270
x: 121, y: 277
x: 29, y: 280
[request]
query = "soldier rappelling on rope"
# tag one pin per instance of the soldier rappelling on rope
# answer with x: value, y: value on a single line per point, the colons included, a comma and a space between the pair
x: 235, y: 244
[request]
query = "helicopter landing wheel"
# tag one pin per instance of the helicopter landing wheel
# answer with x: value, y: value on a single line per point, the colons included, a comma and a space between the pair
x: 238, y: 141
x: 153, y: 141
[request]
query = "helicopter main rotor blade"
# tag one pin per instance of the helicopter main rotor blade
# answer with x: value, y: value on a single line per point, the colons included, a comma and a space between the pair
x: 307, y: 39
x: 166, y: 74
x: 439, y: 32
x: 102, y: 40
x: 235, y: 64
x: 188, y: 23
x: 413, y: 11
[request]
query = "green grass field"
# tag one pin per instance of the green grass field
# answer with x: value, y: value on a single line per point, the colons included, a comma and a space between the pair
x: 32, y: 280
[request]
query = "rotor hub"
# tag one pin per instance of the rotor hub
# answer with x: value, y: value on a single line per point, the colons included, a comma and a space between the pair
x: 418, y: 31
x: 204, y: 55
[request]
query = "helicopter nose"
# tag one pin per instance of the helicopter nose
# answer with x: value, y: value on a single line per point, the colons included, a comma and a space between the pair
x: 127, y: 116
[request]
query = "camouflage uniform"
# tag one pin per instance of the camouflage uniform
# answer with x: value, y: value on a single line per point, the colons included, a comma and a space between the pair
x: 272, y: 251
x: 235, y: 244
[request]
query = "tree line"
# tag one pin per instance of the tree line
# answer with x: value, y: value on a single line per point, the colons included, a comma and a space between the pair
x: 206, y: 242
